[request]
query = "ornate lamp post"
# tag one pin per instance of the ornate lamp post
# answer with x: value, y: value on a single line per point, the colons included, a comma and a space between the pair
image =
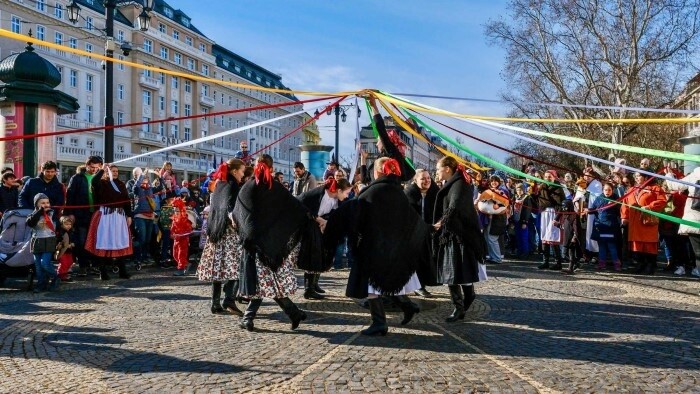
x: 339, y: 115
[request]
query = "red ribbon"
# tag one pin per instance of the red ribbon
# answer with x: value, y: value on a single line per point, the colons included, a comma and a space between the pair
x: 463, y: 170
x: 49, y: 222
x: 222, y: 172
x: 331, y: 185
x: 398, y: 143
x: 263, y: 173
x: 391, y: 166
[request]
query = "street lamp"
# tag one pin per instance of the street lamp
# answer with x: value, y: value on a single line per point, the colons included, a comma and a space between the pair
x: 143, y: 21
x: 339, y: 115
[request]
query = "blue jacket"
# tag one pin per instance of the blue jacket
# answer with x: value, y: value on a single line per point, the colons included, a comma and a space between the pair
x: 141, y: 195
x: 606, y: 224
x: 53, y: 189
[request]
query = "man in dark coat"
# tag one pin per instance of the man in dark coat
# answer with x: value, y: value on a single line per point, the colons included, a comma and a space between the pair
x: 46, y: 183
x: 421, y: 195
x: 80, y: 196
x: 390, y: 241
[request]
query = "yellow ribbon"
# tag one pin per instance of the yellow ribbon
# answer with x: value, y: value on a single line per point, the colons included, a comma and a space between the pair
x: 21, y: 37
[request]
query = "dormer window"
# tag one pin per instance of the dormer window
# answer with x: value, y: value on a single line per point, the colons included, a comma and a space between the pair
x: 185, y: 21
x: 168, y: 12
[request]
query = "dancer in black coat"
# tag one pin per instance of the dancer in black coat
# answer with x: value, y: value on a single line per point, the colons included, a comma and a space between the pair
x: 321, y: 203
x: 389, y: 242
x: 421, y: 194
x: 458, y: 241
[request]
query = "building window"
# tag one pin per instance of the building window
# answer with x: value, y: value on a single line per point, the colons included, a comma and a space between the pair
x: 73, y: 80
x: 162, y: 28
x: 188, y: 40
x: 73, y: 43
x: 88, y: 82
x: 178, y: 58
x: 120, y: 35
x: 120, y: 66
x: 202, y: 47
x: 174, y: 107
x: 90, y: 144
x: 162, y: 78
x: 148, y: 46
x: 58, y: 11
x: 176, y: 34
x: 188, y: 110
x: 120, y: 92
x: 205, y: 90
x: 164, y: 53
x: 73, y: 141
x: 190, y: 64
x: 146, y: 127
x: 40, y: 32
x: 205, y: 69
x: 88, y: 113
x: 120, y: 118
x: 16, y: 25
x: 88, y: 22
x: 168, y: 12
x: 58, y: 38
x: 41, y: 5
x: 161, y: 128
x: 188, y: 134
x: 88, y: 47
x: 161, y: 103
x: 59, y: 140
x: 147, y: 98
x: 175, y: 83
x: 120, y: 148
x: 174, y: 131
x: 188, y: 86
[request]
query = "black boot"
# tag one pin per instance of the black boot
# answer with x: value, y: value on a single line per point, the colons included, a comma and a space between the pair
x: 409, y: 308
x: 651, y: 265
x: 103, y: 273
x: 545, y: 262
x: 309, y: 291
x: 378, y: 326
x: 249, y: 314
x: 216, y: 298
x: 229, y: 304
x: 292, y: 310
x: 458, y: 301
x: 641, y: 264
x: 557, y: 258
x: 318, y: 288
x: 469, y: 296
x: 122, y: 270
x: 570, y: 268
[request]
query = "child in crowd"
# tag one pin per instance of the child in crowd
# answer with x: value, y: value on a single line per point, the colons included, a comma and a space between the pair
x: 180, y: 232
x: 570, y: 223
x: 43, y: 243
x: 606, y: 227
x: 66, y: 238
x: 164, y: 223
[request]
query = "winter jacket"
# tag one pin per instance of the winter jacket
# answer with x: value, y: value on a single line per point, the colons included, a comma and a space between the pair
x: 8, y: 198
x: 142, y: 197
x: 53, y: 189
x: 606, y: 223
x: 77, y: 196
x: 689, y: 213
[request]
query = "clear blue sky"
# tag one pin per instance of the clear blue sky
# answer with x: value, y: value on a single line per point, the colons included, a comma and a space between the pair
x: 426, y: 47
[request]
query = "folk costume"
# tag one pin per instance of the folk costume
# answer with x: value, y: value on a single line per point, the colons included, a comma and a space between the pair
x: 643, y: 228
x: 424, y: 205
x: 221, y: 256
x: 458, y: 244
x: 549, y: 200
x: 109, y: 236
x: 389, y: 241
x: 180, y: 232
x: 319, y: 204
x: 272, y: 225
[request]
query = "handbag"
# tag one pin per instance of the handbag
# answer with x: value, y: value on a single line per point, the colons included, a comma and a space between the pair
x: 647, y: 218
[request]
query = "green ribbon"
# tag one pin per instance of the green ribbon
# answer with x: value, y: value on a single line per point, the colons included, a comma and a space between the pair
x: 371, y: 119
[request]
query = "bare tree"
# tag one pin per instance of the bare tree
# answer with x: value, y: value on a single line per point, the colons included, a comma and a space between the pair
x: 621, y: 53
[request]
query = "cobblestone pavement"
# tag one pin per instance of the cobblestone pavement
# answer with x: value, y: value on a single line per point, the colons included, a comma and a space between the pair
x: 528, y: 331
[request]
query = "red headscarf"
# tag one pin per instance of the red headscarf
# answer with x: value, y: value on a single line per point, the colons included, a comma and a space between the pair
x: 391, y: 166
x: 553, y: 173
x: 222, y: 172
x: 331, y: 185
x: 467, y: 178
x: 263, y: 173
x: 396, y: 140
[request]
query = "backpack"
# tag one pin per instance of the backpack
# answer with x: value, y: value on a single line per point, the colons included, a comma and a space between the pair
x: 695, y: 205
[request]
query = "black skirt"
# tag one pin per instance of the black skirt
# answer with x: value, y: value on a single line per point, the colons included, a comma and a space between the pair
x: 456, y: 264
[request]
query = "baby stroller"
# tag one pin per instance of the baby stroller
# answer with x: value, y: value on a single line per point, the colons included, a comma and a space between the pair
x: 16, y: 259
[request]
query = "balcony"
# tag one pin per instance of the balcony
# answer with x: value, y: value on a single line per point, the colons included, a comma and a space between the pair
x: 76, y: 154
x: 152, y: 137
x: 180, y: 46
x: 74, y: 123
x: 206, y: 100
x: 255, y: 117
x: 149, y: 82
